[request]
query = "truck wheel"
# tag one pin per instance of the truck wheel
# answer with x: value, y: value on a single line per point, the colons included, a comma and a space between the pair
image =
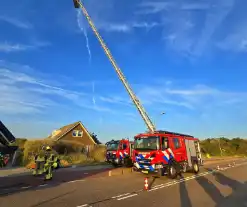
x: 172, y: 172
x: 196, y: 168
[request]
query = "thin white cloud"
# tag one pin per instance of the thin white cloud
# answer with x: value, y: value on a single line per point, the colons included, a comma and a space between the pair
x: 237, y: 40
x: 214, y: 19
x: 116, y: 27
x: 154, y: 7
x: 194, y: 97
x: 16, y: 22
x: 127, y: 27
x: 24, y: 93
x: 8, y: 47
x: 116, y: 100
x: 189, y: 27
x: 196, y: 6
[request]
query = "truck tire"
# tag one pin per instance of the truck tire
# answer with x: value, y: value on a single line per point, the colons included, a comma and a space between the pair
x: 172, y: 172
x: 195, y: 168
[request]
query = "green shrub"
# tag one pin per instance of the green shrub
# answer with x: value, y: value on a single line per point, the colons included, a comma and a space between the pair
x: 76, y: 158
x: 98, y: 153
x: 32, y: 147
x: 230, y: 147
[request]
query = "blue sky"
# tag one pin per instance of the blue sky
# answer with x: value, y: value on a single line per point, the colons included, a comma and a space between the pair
x: 184, y: 57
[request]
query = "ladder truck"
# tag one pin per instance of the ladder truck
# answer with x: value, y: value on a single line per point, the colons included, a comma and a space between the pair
x: 152, y: 135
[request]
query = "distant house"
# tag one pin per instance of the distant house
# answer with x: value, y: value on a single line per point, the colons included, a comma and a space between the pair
x: 73, y: 133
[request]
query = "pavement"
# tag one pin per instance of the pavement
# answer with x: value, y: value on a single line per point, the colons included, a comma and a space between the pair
x: 24, y: 171
x: 226, y: 186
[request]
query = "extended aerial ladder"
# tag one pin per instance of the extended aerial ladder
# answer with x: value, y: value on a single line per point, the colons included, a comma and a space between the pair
x: 140, y: 108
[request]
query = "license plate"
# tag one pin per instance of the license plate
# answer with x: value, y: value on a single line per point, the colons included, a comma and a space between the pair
x: 145, y: 171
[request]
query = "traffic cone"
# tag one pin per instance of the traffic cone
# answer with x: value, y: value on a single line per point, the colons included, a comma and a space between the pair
x: 145, y: 183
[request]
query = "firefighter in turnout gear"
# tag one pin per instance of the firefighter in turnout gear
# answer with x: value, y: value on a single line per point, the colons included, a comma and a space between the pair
x: 39, y: 162
x: 51, y: 163
x: 45, y: 161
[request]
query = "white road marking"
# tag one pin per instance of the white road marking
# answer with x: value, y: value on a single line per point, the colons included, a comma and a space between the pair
x: 73, y: 181
x: 158, y: 185
x: 120, y: 195
x: 43, y: 185
x: 129, y: 196
x: 25, y: 187
x: 183, y: 180
x: 7, y: 189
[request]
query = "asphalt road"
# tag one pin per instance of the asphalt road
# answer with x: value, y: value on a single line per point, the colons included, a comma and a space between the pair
x: 224, y: 187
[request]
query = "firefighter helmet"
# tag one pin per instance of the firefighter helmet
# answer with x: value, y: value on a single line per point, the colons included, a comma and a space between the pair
x: 48, y: 148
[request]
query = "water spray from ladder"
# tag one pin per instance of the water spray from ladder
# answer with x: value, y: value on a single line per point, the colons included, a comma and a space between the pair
x: 83, y: 29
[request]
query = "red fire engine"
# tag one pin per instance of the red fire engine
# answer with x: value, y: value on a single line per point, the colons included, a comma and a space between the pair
x: 156, y: 151
x: 153, y: 152
x: 118, y: 152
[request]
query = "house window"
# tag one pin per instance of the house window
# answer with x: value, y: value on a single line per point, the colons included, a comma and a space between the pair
x: 80, y: 133
x: 77, y: 133
x: 176, y: 143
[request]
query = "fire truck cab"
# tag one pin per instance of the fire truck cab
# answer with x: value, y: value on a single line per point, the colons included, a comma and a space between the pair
x: 154, y: 153
x: 119, y: 152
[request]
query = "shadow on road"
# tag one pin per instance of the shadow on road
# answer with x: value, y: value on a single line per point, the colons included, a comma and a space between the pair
x: 152, y: 182
x: 239, y: 194
x: 54, y: 198
x: 238, y: 197
x: 184, y: 196
x: 17, y: 184
x: 210, y: 189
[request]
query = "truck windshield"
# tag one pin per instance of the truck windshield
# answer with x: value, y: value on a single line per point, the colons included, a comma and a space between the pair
x: 147, y: 143
x: 112, y: 146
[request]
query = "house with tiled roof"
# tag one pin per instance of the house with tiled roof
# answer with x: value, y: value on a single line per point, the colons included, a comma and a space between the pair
x: 75, y: 132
